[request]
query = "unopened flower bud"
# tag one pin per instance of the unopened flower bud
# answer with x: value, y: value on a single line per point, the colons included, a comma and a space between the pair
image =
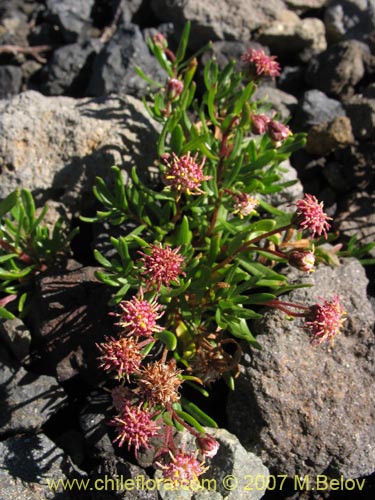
x: 278, y: 132
x: 207, y: 445
x: 160, y: 40
x: 174, y: 88
x: 303, y: 260
x: 245, y: 204
x: 259, y: 124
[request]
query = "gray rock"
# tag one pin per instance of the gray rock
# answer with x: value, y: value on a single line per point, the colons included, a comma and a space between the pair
x: 117, y: 469
x: 113, y: 68
x: 69, y: 317
x: 314, y: 108
x: 27, y: 400
x: 305, y: 37
x: 357, y: 217
x: 27, y: 463
x: 72, y: 16
x: 219, y: 19
x: 338, y: 69
x: 17, y: 337
x: 282, y: 103
x: 130, y: 9
x: 361, y: 112
x: 304, y: 5
x: 60, y: 144
x: 93, y: 421
x: 329, y: 136
x: 10, y: 81
x: 349, y: 19
x: 310, y: 410
x: 68, y: 70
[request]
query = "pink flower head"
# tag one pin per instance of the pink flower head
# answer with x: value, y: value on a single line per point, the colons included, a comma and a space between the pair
x: 303, y: 260
x: 139, y: 316
x: 207, y: 445
x: 259, y: 124
x: 182, y: 468
x: 174, y: 88
x: 184, y: 174
x: 310, y: 215
x: 263, y: 64
x: 162, y: 266
x: 136, y: 426
x: 325, y: 320
x: 278, y: 132
x: 122, y: 356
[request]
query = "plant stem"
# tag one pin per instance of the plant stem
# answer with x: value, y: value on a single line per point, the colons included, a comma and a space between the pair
x: 246, y: 245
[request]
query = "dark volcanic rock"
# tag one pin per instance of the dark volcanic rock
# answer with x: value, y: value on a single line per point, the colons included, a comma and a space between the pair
x: 72, y: 16
x: 324, y: 138
x: 27, y: 400
x: 361, y: 112
x: 10, y: 81
x: 114, y: 66
x: 27, y: 463
x: 69, y: 69
x: 338, y: 69
x: 314, y: 108
x: 71, y: 315
x: 311, y: 410
x: 349, y: 19
x: 219, y: 19
x: 93, y: 420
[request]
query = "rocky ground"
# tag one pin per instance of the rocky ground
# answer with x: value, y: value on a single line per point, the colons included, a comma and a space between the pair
x: 69, y: 109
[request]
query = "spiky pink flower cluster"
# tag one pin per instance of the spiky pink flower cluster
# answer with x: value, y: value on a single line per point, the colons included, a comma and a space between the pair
x: 263, y: 64
x: 162, y: 266
x: 182, y: 468
x: 325, y: 320
x: 136, y: 426
x: 122, y: 356
x: 184, y: 174
x: 138, y: 317
x: 310, y: 215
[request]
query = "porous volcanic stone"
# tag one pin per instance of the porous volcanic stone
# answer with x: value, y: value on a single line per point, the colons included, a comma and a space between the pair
x: 70, y: 315
x: 27, y: 463
x: 114, y: 67
x: 349, y: 19
x: 311, y: 410
x: 60, y: 144
x: 10, y: 80
x: 72, y: 16
x: 324, y: 138
x: 219, y: 19
x: 314, y: 108
x: 338, y: 69
x: 27, y: 400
